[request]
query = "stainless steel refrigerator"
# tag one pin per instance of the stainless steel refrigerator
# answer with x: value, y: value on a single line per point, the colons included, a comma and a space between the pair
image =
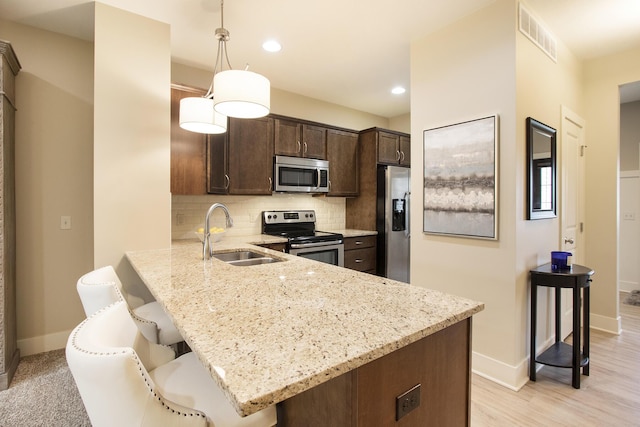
x: 392, y: 222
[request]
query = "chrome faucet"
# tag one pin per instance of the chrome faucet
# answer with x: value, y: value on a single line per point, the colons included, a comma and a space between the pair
x: 207, y: 247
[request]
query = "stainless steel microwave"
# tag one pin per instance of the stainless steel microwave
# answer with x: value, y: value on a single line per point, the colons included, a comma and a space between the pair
x: 302, y: 175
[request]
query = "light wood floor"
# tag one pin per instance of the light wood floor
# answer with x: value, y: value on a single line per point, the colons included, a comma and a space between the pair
x: 609, y: 396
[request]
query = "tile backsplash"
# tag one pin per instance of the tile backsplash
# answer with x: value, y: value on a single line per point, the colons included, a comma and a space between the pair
x: 187, y: 212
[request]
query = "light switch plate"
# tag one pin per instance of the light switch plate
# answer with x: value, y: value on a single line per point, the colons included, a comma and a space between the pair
x: 65, y: 222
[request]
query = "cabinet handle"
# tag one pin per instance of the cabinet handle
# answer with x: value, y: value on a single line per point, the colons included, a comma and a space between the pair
x: 568, y: 240
x: 270, y: 184
x: 398, y: 155
x: 358, y: 261
x: 359, y: 242
x: 402, y: 156
x: 227, y: 182
x: 298, y: 147
x: 329, y: 185
x: 304, y: 151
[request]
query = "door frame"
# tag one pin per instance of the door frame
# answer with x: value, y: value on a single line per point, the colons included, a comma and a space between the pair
x: 579, y: 236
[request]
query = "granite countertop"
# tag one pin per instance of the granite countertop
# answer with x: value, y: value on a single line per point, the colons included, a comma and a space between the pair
x: 268, y: 332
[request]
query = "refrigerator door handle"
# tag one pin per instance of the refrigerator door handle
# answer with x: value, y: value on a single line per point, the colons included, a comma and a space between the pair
x: 407, y: 231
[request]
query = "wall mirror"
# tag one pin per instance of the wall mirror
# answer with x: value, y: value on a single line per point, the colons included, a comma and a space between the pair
x: 541, y: 174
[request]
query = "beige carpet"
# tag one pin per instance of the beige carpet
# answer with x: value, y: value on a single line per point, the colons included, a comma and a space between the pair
x: 633, y: 298
x: 42, y: 393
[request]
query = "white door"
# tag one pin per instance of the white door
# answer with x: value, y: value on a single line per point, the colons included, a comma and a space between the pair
x: 571, y: 201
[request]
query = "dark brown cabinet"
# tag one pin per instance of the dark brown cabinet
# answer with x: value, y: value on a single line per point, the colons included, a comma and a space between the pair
x: 188, y: 149
x: 342, y: 153
x: 366, y: 396
x: 360, y: 253
x: 393, y: 148
x: 299, y: 139
x: 376, y: 146
x: 241, y: 160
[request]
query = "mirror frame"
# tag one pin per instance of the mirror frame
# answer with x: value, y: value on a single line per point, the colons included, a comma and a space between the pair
x: 533, y: 127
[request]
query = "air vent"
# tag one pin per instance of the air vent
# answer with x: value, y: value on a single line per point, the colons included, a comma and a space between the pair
x: 537, y: 33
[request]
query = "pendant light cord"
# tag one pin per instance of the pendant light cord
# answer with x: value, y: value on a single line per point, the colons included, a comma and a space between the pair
x: 222, y: 35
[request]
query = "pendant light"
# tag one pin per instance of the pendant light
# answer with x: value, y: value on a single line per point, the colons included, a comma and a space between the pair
x: 238, y: 93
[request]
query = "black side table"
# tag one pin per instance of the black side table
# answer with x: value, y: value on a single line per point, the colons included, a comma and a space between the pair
x: 561, y: 354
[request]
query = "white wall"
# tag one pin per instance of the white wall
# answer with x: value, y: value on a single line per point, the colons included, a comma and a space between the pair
x: 602, y: 78
x: 487, y: 67
x: 629, y: 231
x: 629, y: 240
x: 54, y: 166
x: 132, y: 80
x: 294, y: 105
x: 629, y: 136
x: 470, y: 76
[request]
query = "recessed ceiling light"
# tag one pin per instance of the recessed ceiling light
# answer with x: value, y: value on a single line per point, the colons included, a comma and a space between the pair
x: 398, y: 90
x: 271, y: 46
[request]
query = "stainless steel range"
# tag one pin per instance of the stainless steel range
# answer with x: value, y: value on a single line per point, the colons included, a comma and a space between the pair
x: 299, y: 227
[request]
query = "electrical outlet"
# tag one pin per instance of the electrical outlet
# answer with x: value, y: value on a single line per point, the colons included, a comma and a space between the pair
x: 407, y: 401
x: 180, y: 219
x: 629, y: 216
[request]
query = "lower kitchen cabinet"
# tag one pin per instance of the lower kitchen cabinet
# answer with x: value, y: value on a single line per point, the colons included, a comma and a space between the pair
x: 360, y: 253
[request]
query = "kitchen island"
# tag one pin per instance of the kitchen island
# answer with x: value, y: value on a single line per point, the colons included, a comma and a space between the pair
x: 329, y: 345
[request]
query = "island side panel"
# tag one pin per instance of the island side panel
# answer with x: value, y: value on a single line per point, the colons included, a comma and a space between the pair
x: 332, y: 403
x: 366, y: 397
x: 440, y: 363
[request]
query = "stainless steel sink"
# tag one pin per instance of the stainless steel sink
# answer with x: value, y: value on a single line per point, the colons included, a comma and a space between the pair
x: 245, y: 258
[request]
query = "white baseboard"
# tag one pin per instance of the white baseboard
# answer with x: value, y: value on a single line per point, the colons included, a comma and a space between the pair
x: 626, y: 286
x: 606, y: 324
x: 43, y: 343
x: 512, y: 377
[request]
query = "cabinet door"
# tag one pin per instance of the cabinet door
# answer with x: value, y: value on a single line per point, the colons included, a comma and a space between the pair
x: 188, y: 149
x: 287, y: 138
x: 218, y: 172
x: 250, y: 156
x: 405, y: 151
x: 314, y: 142
x: 388, y: 148
x: 342, y: 153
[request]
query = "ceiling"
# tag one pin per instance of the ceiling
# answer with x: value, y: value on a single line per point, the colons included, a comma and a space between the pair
x: 348, y: 52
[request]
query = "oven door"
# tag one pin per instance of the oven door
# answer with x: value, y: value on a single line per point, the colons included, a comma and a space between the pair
x: 327, y: 252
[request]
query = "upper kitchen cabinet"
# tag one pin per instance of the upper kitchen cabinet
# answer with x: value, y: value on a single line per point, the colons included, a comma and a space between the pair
x: 394, y: 148
x: 188, y: 149
x: 342, y: 153
x: 241, y: 160
x: 300, y: 139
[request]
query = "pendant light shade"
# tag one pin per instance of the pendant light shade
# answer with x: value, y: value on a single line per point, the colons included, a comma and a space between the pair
x: 242, y: 94
x: 233, y: 93
x: 198, y: 115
